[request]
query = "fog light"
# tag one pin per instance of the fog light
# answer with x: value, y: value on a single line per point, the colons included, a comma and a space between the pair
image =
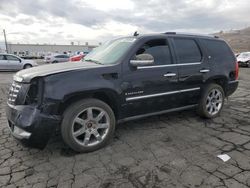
x: 20, y: 133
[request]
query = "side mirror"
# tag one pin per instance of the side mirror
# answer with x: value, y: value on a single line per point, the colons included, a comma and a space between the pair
x: 142, y: 60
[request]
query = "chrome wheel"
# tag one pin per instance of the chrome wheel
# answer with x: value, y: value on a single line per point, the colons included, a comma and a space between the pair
x: 90, y: 126
x: 214, y: 101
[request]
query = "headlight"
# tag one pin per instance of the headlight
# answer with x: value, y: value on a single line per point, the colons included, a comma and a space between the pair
x: 32, y: 94
x: 17, y: 78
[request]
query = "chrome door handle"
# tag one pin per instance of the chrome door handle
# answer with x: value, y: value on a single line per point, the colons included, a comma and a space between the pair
x: 204, y: 70
x: 169, y: 75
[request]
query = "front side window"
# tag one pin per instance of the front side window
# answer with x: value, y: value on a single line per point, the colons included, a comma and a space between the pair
x: 159, y: 49
x: 110, y: 52
x: 12, y: 58
x: 187, y: 50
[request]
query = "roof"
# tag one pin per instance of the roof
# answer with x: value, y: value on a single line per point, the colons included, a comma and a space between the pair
x: 181, y: 34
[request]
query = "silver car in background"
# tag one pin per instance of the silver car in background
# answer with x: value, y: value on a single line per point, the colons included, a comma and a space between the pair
x: 13, y: 62
x: 56, y: 58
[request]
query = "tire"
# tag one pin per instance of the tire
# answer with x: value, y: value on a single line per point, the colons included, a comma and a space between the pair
x: 211, y: 102
x: 27, y: 66
x: 83, y: 133
x: 54, y: 61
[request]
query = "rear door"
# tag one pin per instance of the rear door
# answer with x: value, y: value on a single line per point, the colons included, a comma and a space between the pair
x: 193, y: 68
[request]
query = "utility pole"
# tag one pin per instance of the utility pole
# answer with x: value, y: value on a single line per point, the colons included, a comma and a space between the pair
x: 6, y: 46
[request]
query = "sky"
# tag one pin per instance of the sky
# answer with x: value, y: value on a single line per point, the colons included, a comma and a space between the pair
x: 94, y: 21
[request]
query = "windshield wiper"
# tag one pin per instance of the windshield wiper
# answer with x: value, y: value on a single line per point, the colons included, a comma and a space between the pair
x: 94, y: 61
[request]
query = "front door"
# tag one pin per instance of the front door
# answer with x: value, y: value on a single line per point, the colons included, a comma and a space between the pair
x: 14, y: 63
x: 148, y: 89
x: 3, y: 62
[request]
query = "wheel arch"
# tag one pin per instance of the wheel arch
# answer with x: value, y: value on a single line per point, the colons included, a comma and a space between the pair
x: 220, y: 80
x: 26, y: 65
x: 108, y: 96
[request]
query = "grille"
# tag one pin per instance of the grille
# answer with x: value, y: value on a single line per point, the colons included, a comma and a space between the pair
x: 14, y: 89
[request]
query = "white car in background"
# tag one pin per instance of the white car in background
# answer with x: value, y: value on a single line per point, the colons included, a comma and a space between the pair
x: 244, y: 59
x: 56, y: 58
x: 13, y: 62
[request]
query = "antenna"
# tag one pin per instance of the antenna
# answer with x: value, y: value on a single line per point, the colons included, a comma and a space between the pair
x: 136, y: 34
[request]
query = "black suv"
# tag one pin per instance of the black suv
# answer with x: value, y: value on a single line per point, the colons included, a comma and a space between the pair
x: 124, y: 79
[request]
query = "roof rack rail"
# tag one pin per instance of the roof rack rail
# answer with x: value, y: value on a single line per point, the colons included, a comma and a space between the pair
x: 191, y: 34
x: 170, y: 33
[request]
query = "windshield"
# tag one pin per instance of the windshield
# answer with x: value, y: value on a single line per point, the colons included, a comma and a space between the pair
x: 111, y: 51
x: 244, y: 55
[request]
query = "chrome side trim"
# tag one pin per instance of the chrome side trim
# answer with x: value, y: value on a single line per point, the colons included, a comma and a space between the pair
x: 160, y: 94
x: 156, y: 113
x: 191, y: 89
x: 234, y: 81
x: 171, y: 65
x: 152, y: 95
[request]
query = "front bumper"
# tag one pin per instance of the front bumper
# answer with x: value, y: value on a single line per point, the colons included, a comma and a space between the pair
x: 30, y: 125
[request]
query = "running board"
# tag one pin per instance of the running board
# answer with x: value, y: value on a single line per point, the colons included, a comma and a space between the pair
x: 156, y: 113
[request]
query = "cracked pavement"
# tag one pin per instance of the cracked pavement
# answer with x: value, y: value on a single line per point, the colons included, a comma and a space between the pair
x: 171, y: 150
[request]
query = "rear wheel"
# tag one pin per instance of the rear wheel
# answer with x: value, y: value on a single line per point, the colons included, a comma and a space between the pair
x: 212, y: 101
x: 27, y: 66
x: 54, y: 61
x: 88, y: 125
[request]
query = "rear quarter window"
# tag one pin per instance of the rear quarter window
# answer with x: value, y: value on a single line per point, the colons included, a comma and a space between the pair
x: 218, y: 50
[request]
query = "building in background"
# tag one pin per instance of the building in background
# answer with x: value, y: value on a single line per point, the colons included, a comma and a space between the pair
x: 40, y: 50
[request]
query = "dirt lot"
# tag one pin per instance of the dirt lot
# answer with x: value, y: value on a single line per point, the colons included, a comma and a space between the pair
x: 173, y: 150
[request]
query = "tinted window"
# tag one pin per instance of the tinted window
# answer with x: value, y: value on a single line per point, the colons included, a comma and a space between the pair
x: 159, y: 49
x: 2, y: 57
x: 187, y: 50
x: 12, y: 58
x: 219, y: 50
x: 61, y: 56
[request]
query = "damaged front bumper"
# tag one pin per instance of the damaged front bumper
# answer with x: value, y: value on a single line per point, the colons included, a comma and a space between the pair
x: 28, y: 124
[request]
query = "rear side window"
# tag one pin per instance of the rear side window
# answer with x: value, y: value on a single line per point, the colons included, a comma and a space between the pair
x: 187, y: 50
x: 218, y: 50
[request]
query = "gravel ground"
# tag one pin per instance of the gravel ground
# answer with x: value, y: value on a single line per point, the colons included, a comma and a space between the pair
x: 172, y: 150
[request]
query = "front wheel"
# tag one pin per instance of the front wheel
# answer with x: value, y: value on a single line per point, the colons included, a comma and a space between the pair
x: 88, y: 125
x: 212, y: 101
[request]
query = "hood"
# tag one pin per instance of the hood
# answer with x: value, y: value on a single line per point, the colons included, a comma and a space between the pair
x: 44, y: 70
